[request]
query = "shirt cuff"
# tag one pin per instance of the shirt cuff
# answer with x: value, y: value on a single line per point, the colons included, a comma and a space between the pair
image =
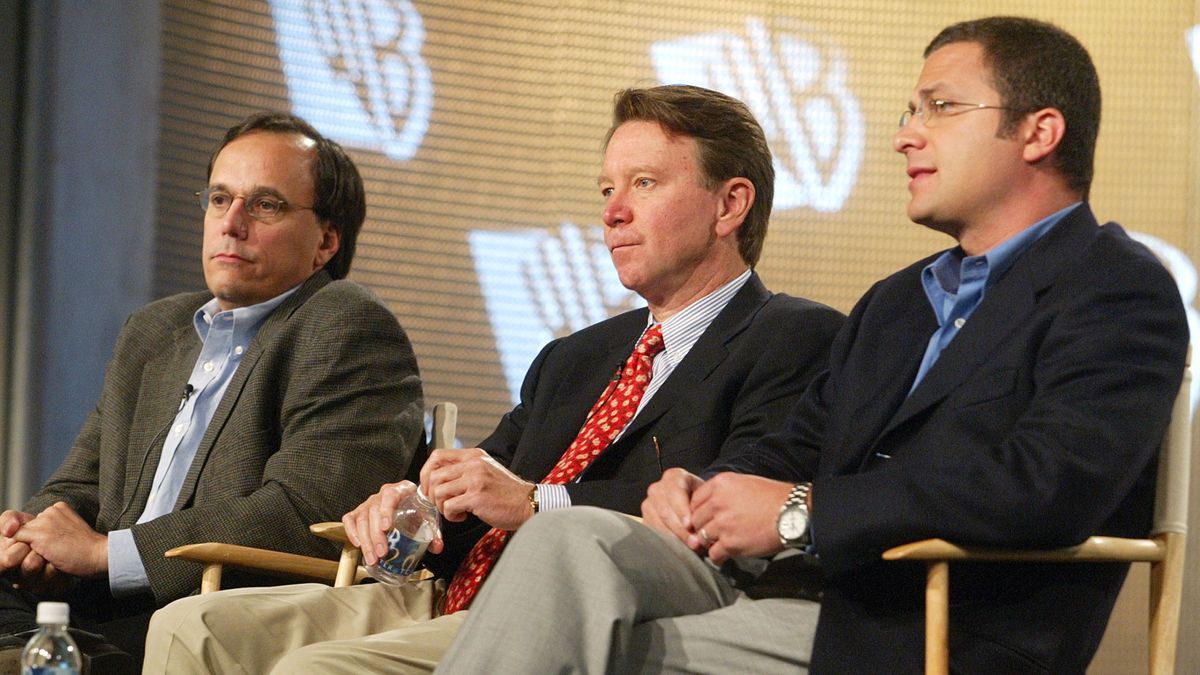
x: 553, y: 497
x: 126, y: 574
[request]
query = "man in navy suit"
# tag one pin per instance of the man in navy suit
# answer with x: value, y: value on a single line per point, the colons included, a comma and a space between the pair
x: 687, y: 184
x: 1010, y: 391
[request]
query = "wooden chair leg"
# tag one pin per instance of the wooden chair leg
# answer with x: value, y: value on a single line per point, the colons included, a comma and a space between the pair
x: 937, y: 618
x: 210, y: 580
x: 347, y: 565
x: 1166, y: 587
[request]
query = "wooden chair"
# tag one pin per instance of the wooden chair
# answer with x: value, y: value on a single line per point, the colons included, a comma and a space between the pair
x: 346, y: 571
x: 1164, y: 550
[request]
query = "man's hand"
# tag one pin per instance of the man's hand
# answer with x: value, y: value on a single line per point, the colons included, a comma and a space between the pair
x: 471, y: 481
x: 66, y: 541
x: 15, y: 555
x: 736, y: 515
x: 668, y: 505
x: 368, y: 524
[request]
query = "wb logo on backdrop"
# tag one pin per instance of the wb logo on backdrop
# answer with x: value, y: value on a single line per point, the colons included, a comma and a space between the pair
x: 795, y: 83
x: 539, y: 285
x: 354, y: 70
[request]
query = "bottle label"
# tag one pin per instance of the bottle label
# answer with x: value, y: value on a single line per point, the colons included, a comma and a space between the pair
x: 404, y: 553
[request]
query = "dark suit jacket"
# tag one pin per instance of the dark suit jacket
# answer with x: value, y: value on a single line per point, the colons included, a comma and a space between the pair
x: 1037, y: 427
x: 737, y: 383
x: 325, y: 406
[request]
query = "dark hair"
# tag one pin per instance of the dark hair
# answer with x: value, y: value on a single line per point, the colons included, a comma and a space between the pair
x: 730, y: 144
x: 1038, y: 65
x: 340, y: 198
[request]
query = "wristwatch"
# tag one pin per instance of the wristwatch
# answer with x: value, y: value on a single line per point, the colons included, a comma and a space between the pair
x: 793, y: 518
x: 534, y: 502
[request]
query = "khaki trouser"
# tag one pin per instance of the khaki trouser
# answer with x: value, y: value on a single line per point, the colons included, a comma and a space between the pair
x: 303, y: 628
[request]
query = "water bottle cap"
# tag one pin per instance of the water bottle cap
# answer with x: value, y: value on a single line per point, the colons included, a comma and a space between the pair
x: 53, y: 613
x: 422, y: 498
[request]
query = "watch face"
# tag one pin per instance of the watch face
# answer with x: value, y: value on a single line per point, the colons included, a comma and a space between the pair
x: 793, y: 523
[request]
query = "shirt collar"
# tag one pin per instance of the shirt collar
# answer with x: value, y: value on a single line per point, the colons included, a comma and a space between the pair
x: 949, y: 267
x: 248, y: 317
x: 685, y: 327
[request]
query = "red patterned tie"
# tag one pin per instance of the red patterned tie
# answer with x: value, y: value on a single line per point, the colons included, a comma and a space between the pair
x: 606, y: 419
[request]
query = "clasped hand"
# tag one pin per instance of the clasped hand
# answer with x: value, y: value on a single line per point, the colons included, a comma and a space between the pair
x: 46, y: 551
x: 730, y: 515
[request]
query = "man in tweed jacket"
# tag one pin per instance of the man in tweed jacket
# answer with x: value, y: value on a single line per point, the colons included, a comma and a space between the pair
x: 281, y: 397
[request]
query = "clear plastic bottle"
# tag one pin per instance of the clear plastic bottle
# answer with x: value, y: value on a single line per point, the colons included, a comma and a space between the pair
x: 52, y: 651
x: 414, y: 525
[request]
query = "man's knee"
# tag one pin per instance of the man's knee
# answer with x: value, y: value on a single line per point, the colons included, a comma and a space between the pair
x: 576, y: 524
x: 186, y: 612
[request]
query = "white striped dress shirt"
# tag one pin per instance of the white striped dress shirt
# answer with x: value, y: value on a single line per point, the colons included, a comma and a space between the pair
x: 680, y: 333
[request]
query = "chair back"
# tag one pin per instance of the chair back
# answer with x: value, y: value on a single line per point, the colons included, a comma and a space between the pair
x: 1174, y: 462
x: 445, y: 425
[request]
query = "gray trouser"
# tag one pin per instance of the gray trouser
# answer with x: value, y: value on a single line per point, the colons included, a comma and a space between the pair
x: 585, y: 590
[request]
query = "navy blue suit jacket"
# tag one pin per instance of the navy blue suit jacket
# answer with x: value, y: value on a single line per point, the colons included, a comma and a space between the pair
x: 1037, y: 427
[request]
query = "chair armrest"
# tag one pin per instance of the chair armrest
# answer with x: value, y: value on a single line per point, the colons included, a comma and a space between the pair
x: 274, y: 563
x: 333, y: 531
x: 1094, y: 549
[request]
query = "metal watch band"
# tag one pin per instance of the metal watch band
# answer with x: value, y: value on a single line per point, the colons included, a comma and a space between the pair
x: 798, y: 496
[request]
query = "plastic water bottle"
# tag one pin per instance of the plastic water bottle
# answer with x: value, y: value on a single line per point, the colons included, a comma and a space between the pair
x: 414, y: 525
x: 51, y: 651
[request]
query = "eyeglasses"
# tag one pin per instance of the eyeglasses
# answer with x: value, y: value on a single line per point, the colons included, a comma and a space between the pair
x: 260, y: 206
x: 932, y: 109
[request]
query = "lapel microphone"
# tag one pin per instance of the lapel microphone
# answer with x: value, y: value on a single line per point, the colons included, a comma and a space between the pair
x: 188, y: 390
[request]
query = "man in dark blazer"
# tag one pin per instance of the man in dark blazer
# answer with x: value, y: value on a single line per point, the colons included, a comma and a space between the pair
x: 687, y: 184
x: 1010, y: 391
x: 294, y: 391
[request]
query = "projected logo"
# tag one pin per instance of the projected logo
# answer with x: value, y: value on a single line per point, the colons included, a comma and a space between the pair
x: 539, y: 285
x: 795, y: 83
x: 354, y: 70
x: 1192, y: 37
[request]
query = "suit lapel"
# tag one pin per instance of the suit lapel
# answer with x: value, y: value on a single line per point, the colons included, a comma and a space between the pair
x: 163, y: 379
x: 1006, y: 305
x: 274, y: 323
x: 704, y: 357
x: 574, y: 393
x: 886, y: 372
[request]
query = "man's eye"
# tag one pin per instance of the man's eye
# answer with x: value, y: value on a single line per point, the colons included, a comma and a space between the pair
x: 219, y: 199
x: 266, y: 205
x: 644, y: 182
x: 939, y: 106
x: 606, y: 192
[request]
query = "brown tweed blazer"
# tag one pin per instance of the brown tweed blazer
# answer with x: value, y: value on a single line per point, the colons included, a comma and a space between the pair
x: 325, y: 406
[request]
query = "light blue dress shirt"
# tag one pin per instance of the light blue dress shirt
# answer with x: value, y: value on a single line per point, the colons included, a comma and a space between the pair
x: 955, y: 284
x: 226, y: 336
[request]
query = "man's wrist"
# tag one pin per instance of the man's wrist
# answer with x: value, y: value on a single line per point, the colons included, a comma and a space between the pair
x: 534, y: 502
x: 793, y: 522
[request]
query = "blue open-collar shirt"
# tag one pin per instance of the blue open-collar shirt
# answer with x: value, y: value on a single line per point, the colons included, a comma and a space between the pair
x: 956, y: 283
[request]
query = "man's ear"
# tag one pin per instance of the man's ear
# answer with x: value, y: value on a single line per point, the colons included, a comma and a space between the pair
x: 1042, y: 132
x: 737, y: 196
x: 331, y: 241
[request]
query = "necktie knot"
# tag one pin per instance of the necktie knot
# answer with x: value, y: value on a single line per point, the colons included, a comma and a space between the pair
x: 652, y: 341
